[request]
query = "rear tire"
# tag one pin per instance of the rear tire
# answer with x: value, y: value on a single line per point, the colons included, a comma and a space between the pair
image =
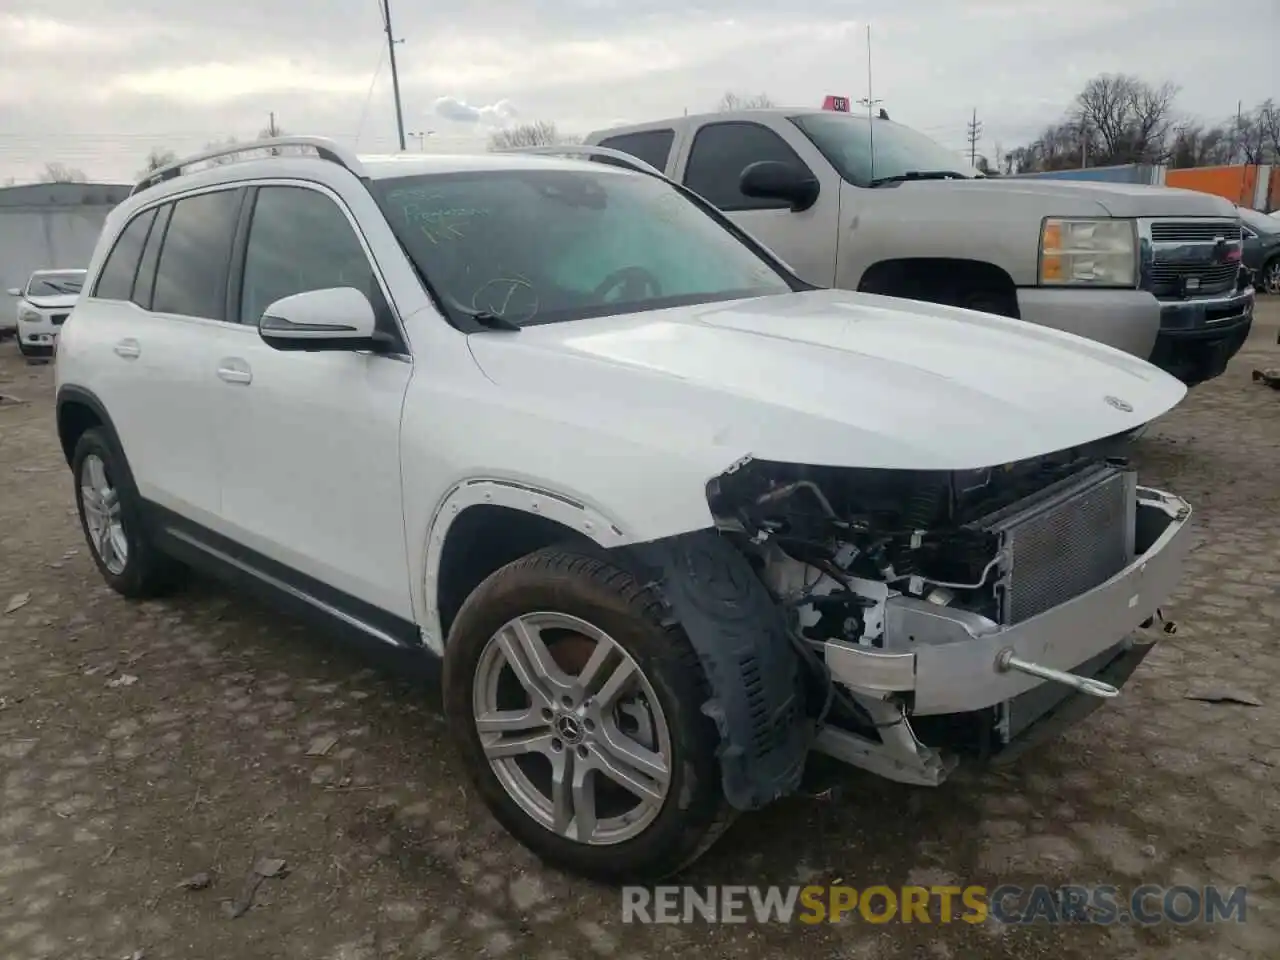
x: 111, y: 518
x: 552, y: 608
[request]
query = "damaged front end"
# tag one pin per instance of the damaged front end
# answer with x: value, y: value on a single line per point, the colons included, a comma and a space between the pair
x: 914, y: 617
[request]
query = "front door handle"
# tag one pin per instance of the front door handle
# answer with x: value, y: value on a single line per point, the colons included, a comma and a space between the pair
x: 234, y: 370
x: 128, y: 348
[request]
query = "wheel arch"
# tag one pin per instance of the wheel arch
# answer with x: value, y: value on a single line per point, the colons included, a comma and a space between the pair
x: 484, y: 524
x: 78, y: 409
x: 903, y: 276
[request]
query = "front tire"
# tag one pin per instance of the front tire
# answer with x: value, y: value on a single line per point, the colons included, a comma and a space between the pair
x: 578, y: 718
x: 111, y: 518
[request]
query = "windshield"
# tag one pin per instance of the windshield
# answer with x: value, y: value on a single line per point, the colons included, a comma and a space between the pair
x: 845, y: 141
x: 1259, y: 222
x: 541, y: 246
x: 55, y: 284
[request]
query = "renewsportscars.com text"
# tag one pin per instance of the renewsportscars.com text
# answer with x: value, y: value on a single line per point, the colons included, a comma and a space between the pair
x: 1147, y: 904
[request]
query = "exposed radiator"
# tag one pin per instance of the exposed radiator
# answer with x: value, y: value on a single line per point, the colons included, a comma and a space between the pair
x: 1064, y: 540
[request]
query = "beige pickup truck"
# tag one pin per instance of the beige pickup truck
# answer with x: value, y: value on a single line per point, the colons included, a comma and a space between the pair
x: 1153, y: 271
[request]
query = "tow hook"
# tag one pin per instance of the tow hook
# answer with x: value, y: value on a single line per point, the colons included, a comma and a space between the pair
x: 1006, y: 661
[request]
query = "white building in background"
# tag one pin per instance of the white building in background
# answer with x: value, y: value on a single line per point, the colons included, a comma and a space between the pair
x: 51, y: 226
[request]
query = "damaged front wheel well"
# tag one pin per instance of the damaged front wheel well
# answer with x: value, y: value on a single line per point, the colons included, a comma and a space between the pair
x: 484, y: 538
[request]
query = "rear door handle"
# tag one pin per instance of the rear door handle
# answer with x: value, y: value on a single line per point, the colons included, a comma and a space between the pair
x: 234, y: 370
x: 129, y: 349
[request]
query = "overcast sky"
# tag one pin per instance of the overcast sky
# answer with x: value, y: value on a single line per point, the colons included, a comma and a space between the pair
x: 95, y: 84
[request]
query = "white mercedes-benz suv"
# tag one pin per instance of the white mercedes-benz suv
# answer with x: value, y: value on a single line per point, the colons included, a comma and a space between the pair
x: 669, y: 518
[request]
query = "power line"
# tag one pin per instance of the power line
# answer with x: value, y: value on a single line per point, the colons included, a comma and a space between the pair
x: 973, y: 136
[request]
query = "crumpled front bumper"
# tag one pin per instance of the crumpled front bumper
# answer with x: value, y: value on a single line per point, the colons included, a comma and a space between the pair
x: 947, y: 661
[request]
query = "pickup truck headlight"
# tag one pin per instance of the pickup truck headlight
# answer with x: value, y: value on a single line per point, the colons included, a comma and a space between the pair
x: 1100, y: 253
x: 30, y: 316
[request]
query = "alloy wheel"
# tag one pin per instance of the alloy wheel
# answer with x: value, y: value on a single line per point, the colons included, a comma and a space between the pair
x: 572, y: 728
x: 103, y: 519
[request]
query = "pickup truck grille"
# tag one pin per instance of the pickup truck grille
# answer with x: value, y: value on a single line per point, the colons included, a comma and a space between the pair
x: 1168, y: 278
x: 1065, y: 540
x: 1192, y: 257
x: 1193, y: 231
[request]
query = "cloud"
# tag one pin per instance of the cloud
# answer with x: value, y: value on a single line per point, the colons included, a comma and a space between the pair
x: 176, y: 74
x: 494, y: 115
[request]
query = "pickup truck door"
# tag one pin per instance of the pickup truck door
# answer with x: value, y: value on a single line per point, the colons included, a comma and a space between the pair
x: 711, y: 162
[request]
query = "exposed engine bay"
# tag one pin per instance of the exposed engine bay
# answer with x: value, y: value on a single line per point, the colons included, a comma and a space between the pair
x: 834, y: 544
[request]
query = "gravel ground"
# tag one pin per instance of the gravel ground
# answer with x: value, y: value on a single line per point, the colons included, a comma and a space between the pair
x: 144, y: 744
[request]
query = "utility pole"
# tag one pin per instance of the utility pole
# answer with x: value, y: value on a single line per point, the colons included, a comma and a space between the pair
x: 870, y: 103
x: 975, y: 134
x: 1084, y: 142
x: 395, y: 76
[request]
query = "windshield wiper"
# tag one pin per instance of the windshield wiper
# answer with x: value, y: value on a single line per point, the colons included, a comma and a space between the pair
x: 491, y: 321
x: 921, y: 175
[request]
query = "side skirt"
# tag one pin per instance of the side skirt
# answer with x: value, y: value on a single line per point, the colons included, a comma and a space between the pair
x: 284, y: 588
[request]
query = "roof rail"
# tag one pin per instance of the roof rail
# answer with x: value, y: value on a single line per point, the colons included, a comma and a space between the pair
x: 324, y: 147
x: 582, y: 149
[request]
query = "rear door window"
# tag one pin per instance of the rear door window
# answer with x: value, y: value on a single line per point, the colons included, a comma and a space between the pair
x: 651, y: 146
x: 191, y: 278
x: 145, y: 281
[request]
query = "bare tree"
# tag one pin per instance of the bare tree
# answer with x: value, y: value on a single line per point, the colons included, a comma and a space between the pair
x: 1256, y: 134
x: 1128, y: 120
x: 539, y: 133
x: 157, y: 159
x: 1116, y: 118
x: 61, y: 173
x: 737, y: 101
x: 227, y: 144
x: 1195, y: 145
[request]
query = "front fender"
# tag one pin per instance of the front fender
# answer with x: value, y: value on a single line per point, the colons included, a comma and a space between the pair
x: 515, y: 495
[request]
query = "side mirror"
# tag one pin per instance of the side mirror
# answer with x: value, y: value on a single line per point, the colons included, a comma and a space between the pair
x: 774, y: 180
x: 335, y: 318
x: 15, y: 291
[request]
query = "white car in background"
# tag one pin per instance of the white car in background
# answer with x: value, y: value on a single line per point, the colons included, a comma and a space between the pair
x: 43, y: 307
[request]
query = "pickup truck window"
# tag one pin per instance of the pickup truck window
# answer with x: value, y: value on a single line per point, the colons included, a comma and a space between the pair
x: 720, y: 153
x: 845, y: 140
x: 541, y: 246
x: 651, y: 146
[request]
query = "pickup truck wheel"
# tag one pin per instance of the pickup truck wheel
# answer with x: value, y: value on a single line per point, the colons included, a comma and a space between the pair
x: 578, y: 718
x: 111, y: 517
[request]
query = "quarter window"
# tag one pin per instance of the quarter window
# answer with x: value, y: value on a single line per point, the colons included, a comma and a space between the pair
x: 720, y: 153
x: 115, y: 282
x: 300, y: 240
x: 651, y: 146
x: 191, y: 278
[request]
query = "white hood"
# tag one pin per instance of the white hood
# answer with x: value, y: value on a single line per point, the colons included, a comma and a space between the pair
x: 829, y: 377
x: 61, y: 302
